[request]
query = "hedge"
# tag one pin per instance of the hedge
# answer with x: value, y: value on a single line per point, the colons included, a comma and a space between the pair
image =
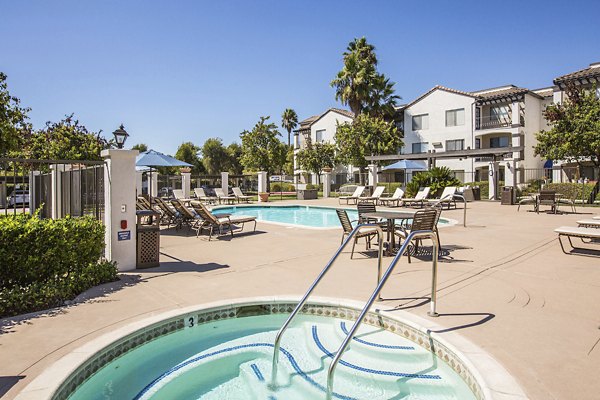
x: 572, y: 190
x: 45, y: 262
x: 282, y: 187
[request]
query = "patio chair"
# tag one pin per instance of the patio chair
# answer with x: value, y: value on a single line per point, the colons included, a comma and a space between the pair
x: 447, y: 197
x: 394, y: 199
x: 355, y: 196
x: 423, y: 220
x: 185, y: 216
x: 223, y: 197
x: 168, y: 215
x: 201, y: 195
x: 375, y: 196
x: 237, y: 192
x: 547, y: 198
x: 178, y: 194
x: 528, y: 200
x: 419, y: 199
x: 567, y: 201
x: 211, y: 221
x: 591, y: 234
x: 368, y: 232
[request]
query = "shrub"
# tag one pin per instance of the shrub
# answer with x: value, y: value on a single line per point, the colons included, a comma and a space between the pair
x: 45, y: 262
x: 577, y: 191
x: 312, y: 186
x: 282, y: 187
x: 437, y: 178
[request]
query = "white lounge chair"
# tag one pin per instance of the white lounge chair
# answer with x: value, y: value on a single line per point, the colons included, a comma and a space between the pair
x: 178, y: 194
x: 596, y: 217
x: 375, y: 196
x: 419, y: 199
x: 355, y: 196
x: 394, y: 199
x: 592, y: 234
x: 589, y: 223
x: 201, y: 195
x: 223, y: 197
x: 237, y: 192
x: 447, y: 197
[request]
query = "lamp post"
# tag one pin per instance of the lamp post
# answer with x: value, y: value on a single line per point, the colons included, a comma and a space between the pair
x: 120, y: 136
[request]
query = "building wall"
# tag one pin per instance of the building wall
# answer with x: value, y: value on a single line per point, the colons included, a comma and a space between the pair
x: 436, y: 104
x: 534, y: 122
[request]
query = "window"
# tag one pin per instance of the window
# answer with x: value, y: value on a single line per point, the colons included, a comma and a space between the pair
x: 319, y: 135
x: 496, y: 142
x: 419, y: 147
x: 420, y: 122
x: 477, y: 143
x: 455, y: 117
x: 454, y: 145
x: 499, y: 114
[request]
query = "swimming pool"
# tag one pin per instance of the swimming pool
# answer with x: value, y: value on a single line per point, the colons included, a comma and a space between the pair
x: 225, y: 353
x: 304, y: 216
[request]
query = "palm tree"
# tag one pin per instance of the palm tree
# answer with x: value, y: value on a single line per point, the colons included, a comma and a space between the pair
x: 289, y: 121
x: 382, y: 101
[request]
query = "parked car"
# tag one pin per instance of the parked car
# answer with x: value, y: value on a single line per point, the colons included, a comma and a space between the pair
x: 18, y: 196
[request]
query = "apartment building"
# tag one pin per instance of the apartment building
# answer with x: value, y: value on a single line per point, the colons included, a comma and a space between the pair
x: 445, y: 120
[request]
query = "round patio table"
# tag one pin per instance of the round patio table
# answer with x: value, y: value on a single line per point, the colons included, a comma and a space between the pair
x: 391, y: 217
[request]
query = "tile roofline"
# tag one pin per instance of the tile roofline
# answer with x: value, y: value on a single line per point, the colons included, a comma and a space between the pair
x: 438, y: 87
x: 496, y: 88
x: 340, y: 111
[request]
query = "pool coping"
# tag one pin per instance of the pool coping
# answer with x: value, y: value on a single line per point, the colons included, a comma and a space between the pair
x: 451, y: 222
x: 497, y: 384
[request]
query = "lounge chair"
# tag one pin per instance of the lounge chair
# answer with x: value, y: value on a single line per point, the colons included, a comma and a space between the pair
x: 355, y: 196
x: 447, y: 197
x: 237, y: 192
x: 423, y: 220
x: 566, y: 201
x: 168, y: 215
x: 212, y: 221
x: 368, y: 232
x: 178, y: 194
x: 528, y: 200
x: 142, y: 204
x: 201, y: 195
x: 223, y: 197
x: 394, y: 199
x: 596, y: 217
x: 375, y: 196
x: 419, y: 199
x: 185, y: 216
x: 592, y: 234
x: 589, y: 223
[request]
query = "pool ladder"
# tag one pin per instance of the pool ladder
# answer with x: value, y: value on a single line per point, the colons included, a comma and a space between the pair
x: 381, y: 280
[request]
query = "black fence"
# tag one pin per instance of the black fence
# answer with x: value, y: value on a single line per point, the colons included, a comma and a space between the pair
x: 52, y: 188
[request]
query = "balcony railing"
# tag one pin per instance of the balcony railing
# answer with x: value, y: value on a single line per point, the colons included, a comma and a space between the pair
x: 489, y: 122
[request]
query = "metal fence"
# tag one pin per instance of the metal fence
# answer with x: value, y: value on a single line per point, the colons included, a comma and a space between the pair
x: 52, y: 188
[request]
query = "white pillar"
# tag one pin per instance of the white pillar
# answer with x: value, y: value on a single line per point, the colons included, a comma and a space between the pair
x: 372, y: 175
x: 153, y: 186
x: 557, y: 176
x: 516, y: 115
x: 186, y: 184
x: 262, y: 182
x: 493, y: 169
x: 225, y: 182
x: 119, y: 203
x: 139, y: 175
x: 326, y: 184
x: 56, y: 187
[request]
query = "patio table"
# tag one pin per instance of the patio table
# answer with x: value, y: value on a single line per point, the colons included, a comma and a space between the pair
x: 391, y: 217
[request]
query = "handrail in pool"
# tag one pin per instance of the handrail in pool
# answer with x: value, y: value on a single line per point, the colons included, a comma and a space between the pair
x: 314, y: 285
x: 413, y: 235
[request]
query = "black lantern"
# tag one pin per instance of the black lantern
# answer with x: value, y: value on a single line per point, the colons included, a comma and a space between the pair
x: 120, y: 136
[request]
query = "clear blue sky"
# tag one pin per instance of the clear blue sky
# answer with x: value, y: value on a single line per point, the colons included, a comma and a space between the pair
x: 175, y: 71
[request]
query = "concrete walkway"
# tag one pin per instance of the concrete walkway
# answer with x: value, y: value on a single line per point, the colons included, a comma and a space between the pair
x: 504, y: 284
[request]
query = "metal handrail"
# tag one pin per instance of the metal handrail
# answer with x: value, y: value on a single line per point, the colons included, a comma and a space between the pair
x: 413, y: 235
x: 314, y: 285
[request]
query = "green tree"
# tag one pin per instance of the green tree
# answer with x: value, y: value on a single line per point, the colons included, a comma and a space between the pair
x: 289, y: 121
x: 14, y: 127
x: 261, y: 148
x: 366, y: 136
x: 67, y: 140
x: 316, y: 157
x: 574, y: 133
x: 215, y: 156
x: 188, y: 152
x: 141, y: 147
x: 360, y: 86
x: 234, y: 151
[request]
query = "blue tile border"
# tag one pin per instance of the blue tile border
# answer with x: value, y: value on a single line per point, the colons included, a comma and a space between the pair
x: 381, y: 346
x: 257, y: 372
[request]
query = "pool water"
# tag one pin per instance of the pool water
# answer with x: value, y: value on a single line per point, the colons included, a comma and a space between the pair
x: 231, y: 359
x: 307, y: 216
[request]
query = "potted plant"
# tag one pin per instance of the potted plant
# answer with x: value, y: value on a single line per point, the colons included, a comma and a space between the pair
x: 185, y: 169
x: 263, y: 197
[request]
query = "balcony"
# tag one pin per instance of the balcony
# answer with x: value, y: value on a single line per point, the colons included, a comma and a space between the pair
x: 494, y: 122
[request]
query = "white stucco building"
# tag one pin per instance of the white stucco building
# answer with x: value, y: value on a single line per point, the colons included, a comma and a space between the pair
x: 321, y: 128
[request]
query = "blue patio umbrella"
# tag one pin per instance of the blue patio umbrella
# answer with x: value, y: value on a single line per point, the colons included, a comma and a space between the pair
x: 153, y: 158
x: 404, y: 165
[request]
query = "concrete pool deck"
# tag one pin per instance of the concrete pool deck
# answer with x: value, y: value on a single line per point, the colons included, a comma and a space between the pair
x: 504, y: 284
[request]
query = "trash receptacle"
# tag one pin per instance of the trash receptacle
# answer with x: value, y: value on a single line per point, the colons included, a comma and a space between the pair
x: 476, y: 193
x: 148, y: 239
x: 507, y: 198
